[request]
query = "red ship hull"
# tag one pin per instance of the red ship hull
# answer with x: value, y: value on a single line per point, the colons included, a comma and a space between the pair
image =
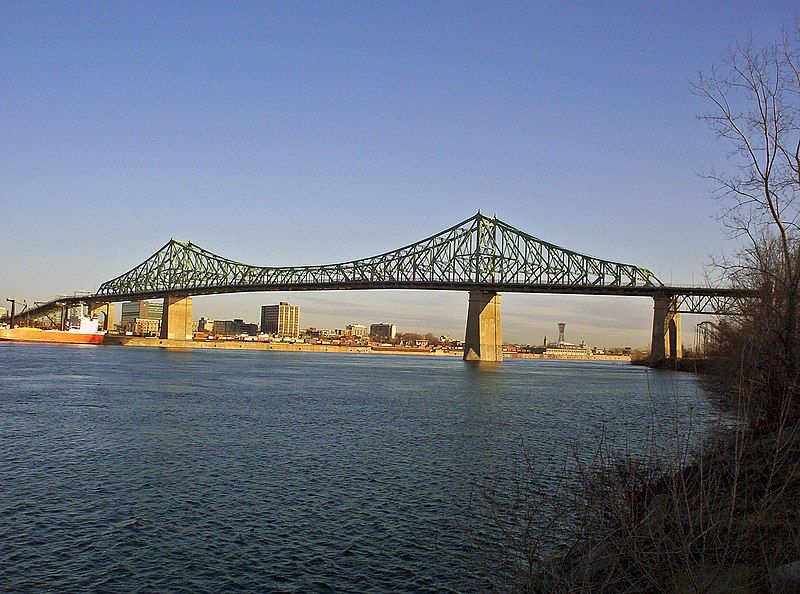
x: 51, y: 336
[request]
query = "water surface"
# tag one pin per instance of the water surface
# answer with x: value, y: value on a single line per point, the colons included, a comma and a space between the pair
x: 125, y: 469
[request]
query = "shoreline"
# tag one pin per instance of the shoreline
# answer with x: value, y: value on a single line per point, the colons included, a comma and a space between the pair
x: 138, y: 341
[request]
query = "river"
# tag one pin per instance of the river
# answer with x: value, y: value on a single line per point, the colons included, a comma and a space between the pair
x: 135, y: 469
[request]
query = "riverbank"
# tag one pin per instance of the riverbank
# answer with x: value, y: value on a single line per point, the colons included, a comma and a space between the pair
x: 139, y: 341
x: 570, y: 357
x: 725, y: 522
x: 691, y: 365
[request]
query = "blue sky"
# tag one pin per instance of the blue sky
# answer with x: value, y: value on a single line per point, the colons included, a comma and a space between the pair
x: 302, y: 133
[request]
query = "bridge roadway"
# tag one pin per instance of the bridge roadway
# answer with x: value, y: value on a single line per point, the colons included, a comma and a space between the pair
x: 480, y: 255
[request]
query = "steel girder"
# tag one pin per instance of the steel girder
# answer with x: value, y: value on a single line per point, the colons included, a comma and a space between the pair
x: 715, y: 304
x: 478, y: 252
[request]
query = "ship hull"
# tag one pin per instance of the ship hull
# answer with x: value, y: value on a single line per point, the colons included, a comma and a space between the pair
x: 50, y: 336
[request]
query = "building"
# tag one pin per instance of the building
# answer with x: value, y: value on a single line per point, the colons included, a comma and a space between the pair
x: 140, y: 310
x: 356, y: 330
x: 146, y: 327
x: 233, y: 327
x: 281, y: 319
x: 3, y: 312
x: 222, y: 327
x: 382, y: 331
x: 242, y: 327
x: 204, y: 325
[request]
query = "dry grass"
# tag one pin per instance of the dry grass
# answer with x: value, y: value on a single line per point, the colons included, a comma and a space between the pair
x: 719, y: 523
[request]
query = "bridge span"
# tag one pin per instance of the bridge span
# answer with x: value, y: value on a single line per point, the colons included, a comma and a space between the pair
x: 481, y: 255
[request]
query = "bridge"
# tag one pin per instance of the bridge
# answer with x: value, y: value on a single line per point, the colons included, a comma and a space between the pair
x: 481, y: 255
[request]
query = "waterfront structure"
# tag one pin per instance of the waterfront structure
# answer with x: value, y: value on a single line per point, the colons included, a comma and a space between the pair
x: 382, y: 331
x: 233, y: 327
x: 204, y: 325
x: 176, y: 320
x: 480, y: 255
x: 282, y: 320
x: 483, y: 340
x: 132, y: 311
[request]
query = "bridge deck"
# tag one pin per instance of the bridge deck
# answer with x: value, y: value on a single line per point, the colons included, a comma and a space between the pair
x: 652, y: 291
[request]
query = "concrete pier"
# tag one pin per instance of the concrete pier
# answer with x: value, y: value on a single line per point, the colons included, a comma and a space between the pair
x: 483, y: 340
x: 176, y: 320
x: 666, y: 341
x: 107, y: 310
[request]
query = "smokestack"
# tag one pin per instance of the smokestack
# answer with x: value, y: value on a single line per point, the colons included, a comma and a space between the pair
x: 561, y: 326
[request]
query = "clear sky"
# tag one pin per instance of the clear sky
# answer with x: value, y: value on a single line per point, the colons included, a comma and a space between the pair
x: 307, y: 133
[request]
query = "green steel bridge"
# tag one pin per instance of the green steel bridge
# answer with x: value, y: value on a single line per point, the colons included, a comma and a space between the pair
x: 482, y: 255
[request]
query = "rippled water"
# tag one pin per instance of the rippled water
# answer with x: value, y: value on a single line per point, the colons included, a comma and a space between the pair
x: 126, y: 469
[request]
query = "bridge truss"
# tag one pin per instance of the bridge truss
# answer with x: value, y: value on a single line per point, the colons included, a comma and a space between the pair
x: 479, y: 253
x: 716, y: 302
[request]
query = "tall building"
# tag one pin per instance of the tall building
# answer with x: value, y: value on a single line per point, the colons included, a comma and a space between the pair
x: 141, y: 310
x: 282, y: 319
x: 382, y: 331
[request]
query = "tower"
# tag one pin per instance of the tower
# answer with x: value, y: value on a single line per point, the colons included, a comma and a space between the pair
x: 561, y: 326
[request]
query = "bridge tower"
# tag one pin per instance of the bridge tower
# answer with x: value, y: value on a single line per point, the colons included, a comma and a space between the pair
x: 176, y: 320
x: 666, y: 342
x: 483, y: 340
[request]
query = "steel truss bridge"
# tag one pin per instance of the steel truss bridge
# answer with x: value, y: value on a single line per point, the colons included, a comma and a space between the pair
x: 480, y: 254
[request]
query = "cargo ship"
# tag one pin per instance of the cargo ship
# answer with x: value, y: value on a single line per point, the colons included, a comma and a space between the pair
x: 84, y: 331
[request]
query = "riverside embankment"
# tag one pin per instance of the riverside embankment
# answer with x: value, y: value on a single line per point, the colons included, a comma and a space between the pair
x: 138, y: 341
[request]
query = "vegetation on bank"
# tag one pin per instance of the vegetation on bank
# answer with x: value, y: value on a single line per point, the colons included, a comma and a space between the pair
x: 723, y: 516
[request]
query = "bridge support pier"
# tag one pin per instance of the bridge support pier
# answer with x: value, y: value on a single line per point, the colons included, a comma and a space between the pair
x: 108, y: 311
x: 176, y: 321
x: 483, y: 339
x: 666, y: 342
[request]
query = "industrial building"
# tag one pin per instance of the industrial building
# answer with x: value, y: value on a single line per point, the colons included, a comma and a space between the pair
x: 233, y: 327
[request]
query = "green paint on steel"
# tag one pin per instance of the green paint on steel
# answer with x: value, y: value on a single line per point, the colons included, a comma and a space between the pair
x: 478, y: 251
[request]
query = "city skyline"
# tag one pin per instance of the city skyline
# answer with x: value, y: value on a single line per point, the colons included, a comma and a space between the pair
x: 208, y: 124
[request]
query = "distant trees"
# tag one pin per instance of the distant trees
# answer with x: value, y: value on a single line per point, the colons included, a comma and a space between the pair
x: 754, y: 105
x: 432, y: 340
x: 413, y: 337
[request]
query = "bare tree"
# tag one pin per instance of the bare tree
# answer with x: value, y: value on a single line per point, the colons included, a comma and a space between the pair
x: 754, y: 103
